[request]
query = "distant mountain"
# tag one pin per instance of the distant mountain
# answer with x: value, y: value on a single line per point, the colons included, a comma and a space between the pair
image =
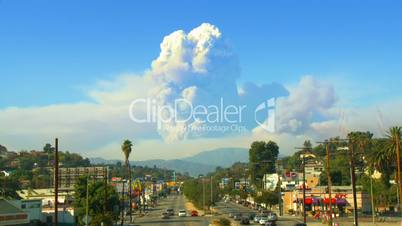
x: 223, y: 157
x: 201, y: 163
x: 99, y: 160
x: 178, y: 165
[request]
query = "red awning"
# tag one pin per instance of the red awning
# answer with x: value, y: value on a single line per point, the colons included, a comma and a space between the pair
x: 326, y: 201
x: 308, y: 201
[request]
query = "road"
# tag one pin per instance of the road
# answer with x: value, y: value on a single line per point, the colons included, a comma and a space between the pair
x: 177, y: 202
x: 231, y: 207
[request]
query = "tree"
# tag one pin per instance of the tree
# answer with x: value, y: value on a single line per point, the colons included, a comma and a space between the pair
x: 48, y: 148
x: 262, y: 158
x: 126, y: 148
x: 394, y: 144
x: 96, y: 194
x: 9, y: 185
x: 269, y: 198
x: 381, y: 159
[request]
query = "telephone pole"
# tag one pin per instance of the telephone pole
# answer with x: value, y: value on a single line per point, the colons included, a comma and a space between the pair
x: 203, y: 194
x: 350, y: 151
x: 329, y: 181
x: 304, y: 190
x: 212, y: 194
x: 105, y: 174
x: 306, y: 153
x: 353, y: 177
x: 56, y: 181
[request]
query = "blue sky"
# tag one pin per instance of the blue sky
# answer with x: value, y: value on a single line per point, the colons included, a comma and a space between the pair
x: 50, y: 51
x: 340, y: 62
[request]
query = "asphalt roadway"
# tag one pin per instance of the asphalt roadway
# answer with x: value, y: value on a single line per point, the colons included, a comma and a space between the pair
x: 230, y: 207
x: 176, y: 202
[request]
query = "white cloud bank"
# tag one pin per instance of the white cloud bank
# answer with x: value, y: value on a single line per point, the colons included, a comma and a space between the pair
x: 201, y: 68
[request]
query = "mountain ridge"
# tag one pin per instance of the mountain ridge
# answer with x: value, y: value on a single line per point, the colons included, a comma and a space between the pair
x: 200, y: 163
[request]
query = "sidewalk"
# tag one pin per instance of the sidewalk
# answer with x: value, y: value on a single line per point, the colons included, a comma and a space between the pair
x: 360, y: 223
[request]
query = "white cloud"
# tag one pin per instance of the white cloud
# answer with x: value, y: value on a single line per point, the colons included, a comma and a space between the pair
x: 307, y: 102
x: 201, y: 68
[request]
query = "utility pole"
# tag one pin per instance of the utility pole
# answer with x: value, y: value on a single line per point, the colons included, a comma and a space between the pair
x: 212, y: 194
x: 122, y: 206
x: 329, y: 181
x: 353, y: 176
x: 105, y: 175
x: 280, y: 194
x: 304, y: 190
x: 87, y: 202
x: 56, y: 181
x: 306, y: 153
x: 203, y: 195
x: 398, y: 162
x: 130, y: 191
x: 372, y: 198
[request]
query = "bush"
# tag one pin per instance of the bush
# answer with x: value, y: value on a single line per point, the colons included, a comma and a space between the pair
x: 224, y: 222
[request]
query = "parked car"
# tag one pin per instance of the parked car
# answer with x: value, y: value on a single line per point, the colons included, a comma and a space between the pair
x: 194, y: 213
x: 245, y: 220
x: 170, y: 211
x: 257, y: 218
x: 271, y: 223
x: 263, y: 219
x: 272, y: 217
x: 231, y: 214
x: 182, y: 213
x: 251, y: 216
x: 165, y: 215
x: 237, y: 217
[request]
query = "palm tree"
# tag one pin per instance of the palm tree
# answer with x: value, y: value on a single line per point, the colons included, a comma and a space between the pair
x: 394, y: 144
x: 126, y: 148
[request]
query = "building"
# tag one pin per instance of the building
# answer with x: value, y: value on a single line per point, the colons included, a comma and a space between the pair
x: 225, y: 182
x: 243, y: 183
x: 32, y: 207
x: 318, y: 199
x: 45, y: 195
x: 12, y: 215
x: 313, y: 167
x: 270, y: 181
x: 68, y: 177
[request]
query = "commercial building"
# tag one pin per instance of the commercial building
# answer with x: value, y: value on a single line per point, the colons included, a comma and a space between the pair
x: 68, y: 177
x: 317, y: 199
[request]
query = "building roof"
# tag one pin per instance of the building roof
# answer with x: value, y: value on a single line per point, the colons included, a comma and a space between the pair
x: 7, y: 208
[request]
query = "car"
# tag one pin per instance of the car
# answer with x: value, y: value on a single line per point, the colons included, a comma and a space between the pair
x: 271, y: 223
x: 165, y: 215
x: 182, y: 213
x: 245, y: 220
x: 194, y: 213
x: 251, y: 216
x: 257, y: 218
x: 272, y: 217
x: 237, y: 217
x: 231, y: 214
x: 300, y: 224
x: 170, y: 211
x: 263, y: 219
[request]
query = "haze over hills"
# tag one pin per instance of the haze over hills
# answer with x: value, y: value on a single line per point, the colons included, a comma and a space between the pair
x: 201, y: 163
